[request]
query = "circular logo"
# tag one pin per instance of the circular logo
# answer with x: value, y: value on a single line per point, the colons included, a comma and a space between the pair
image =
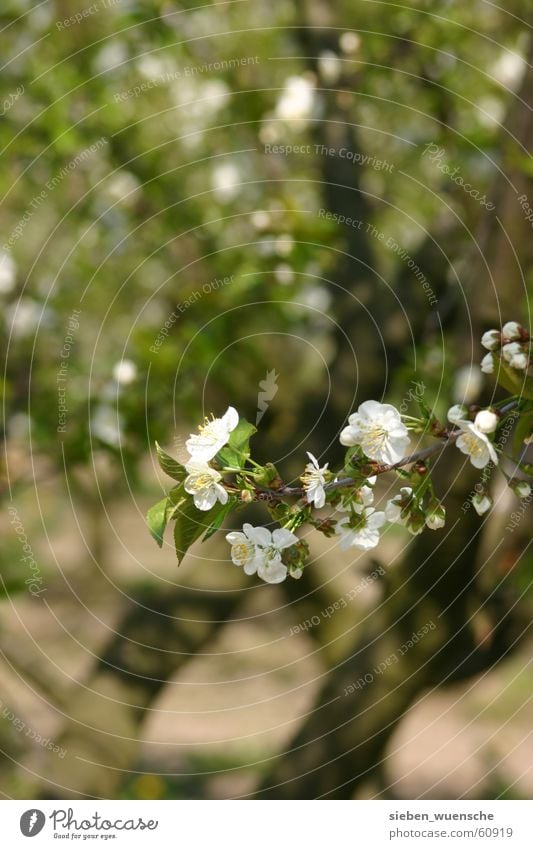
x: 32, y: 822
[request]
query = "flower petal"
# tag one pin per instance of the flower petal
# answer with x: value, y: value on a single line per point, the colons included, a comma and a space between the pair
x: 348, y: 436
x: 236, y: 538
x: 205, y: 499
x: 272, y: 572
x: 259, y: 536
x: 282, y: 538
x: 230, y: 419
x: 313, y: 459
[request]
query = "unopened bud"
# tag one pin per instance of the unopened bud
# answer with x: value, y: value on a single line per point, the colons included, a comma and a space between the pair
x: 487, y: 364
x: 513, y: 331
x: 515, y: 355
x: 482, y: 503
x: 457, y: 413
x: 436, y: 518
x: 491, y: 340
x: 521, y: 488
x: 486, y: 421
x: 246, y: 496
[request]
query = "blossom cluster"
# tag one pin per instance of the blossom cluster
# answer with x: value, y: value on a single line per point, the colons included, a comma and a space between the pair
x: 511, y: 344
x: 378, y: 440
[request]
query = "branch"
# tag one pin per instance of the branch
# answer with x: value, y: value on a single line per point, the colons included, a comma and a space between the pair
x: 373, y: 469
x: 449, y: 438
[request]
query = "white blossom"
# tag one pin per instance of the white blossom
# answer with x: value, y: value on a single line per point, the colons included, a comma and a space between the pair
x: 487, y: 364
x: 203, y: 484
x: 329, y: 66
x: 364, y: 498
x: 512, y: 330
x: 522, y: 489
x: 245, y: 550
x: 226, y: 181
x: 457, y: 413
x: 314, y: 480
x: 491, y: 340
x: 436, y: 519
x: 393, y: 508
x: 486, y: 421
x: 24, y: 316
x: 125, y: 372
x: 476, y: 445
x: 467, y: 384
x: 482, y: 503
x: 212, y: 436
x: 259, y: 550
x: 379, y: 430
x: 296, y: 101
x: 350, y: 42
x: 366, y: 533
x: 107, y: 425
x: 515, y: 355
x: 8, y: 273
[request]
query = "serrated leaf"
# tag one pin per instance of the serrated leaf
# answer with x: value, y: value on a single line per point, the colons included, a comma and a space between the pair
x: 170, y: 466
x: 224, y: 511
x: 239, y: 438
x: 235, y: 453
x: 157, y: 518
x: 229, y: 457
x: 190, y: 523
x: 523, y: 429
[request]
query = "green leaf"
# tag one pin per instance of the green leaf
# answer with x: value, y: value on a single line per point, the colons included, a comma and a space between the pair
x: 229, y: 457
x: 224, y: 511
x: 157, y: 518
x: 516, y: 382
x: 170, y: 466
x: 235, y: 453
x: 426, y: 412
x: 191, y: 523
x: 239, y: 438
x: 523, y: 429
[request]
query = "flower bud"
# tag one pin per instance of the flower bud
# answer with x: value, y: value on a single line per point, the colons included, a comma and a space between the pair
x: 481, y: 502
x: 521, y: 488
x: 515, y: 355
x: 491, y: 340
x: 457, y: 413
x: 520, y: 361
x: 512, y: 331
x: 487, y: 364
x: 486, y: 421
x: 436, y: 517
x: 246, y: 496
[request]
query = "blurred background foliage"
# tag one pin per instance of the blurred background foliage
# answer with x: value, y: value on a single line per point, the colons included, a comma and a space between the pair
x: 138, y: 189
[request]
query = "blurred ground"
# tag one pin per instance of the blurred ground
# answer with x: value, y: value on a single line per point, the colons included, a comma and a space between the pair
x: 220, y: 720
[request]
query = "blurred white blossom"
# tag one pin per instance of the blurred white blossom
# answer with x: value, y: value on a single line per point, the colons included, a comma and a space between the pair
x: 296, y: 101
x: 8, y: 273
x: 125, y: 372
